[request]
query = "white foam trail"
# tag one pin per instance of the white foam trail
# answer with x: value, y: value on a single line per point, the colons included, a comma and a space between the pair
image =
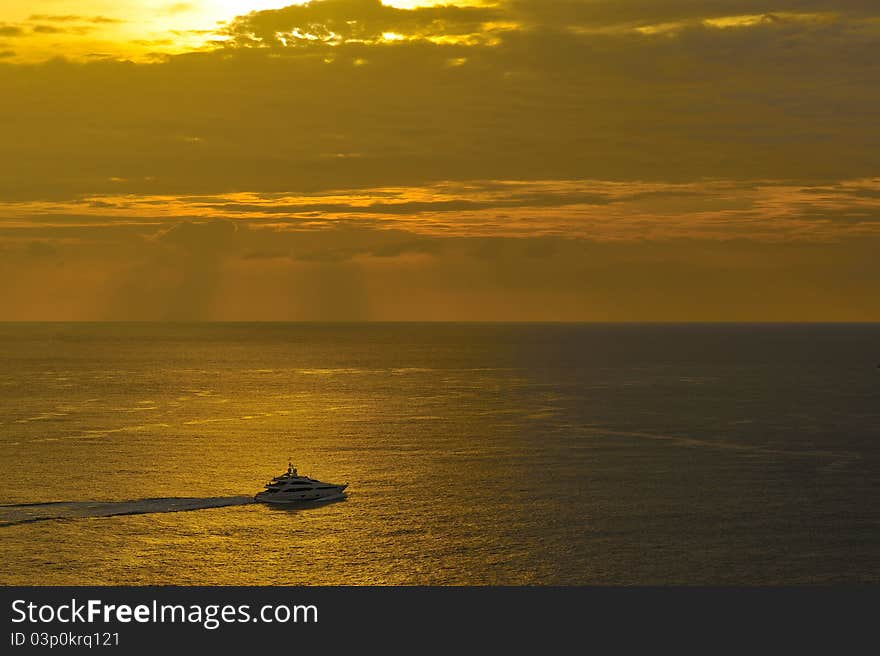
x: 25, y: 513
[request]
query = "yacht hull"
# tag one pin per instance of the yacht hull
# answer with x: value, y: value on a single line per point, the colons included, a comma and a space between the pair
x: 304, y: 497
x: 298, y: 502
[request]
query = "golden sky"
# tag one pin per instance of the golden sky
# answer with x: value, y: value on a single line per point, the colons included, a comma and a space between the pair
x: 512, y: 160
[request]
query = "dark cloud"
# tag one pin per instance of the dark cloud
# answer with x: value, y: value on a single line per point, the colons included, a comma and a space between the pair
x: 354, y: 274
x: 72, y: 18
x: 770, y: 101
x: 192, y: 270
x: 569, y: 13
x: 48, y: 29
x: 202, y: 237
x: 176, y: 273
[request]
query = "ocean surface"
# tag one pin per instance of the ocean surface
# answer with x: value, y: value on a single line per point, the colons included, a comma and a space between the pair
x: 540, y: 454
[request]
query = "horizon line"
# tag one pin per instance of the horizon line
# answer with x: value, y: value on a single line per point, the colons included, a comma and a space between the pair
x: 444, y: 321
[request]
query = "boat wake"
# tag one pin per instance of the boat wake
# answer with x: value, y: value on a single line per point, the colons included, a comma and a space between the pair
x: 26, y: 513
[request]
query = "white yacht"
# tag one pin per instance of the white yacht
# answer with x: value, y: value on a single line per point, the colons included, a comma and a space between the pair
x: 289, y: 487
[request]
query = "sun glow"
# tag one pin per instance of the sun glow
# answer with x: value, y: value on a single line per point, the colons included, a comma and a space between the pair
x: 135, y: 29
